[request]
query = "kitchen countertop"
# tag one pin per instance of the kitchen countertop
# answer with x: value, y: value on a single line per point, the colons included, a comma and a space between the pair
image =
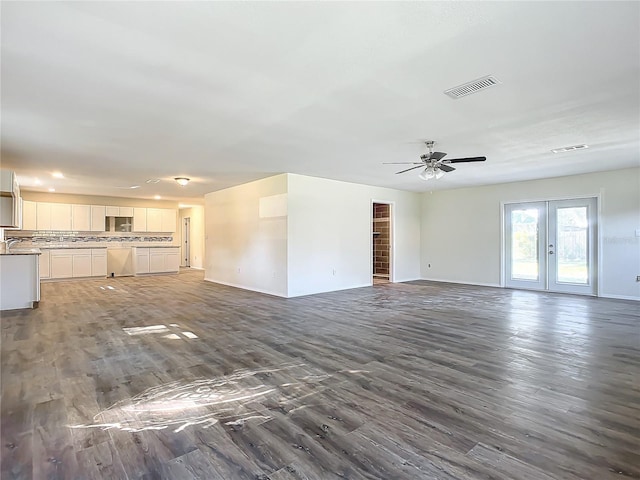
x: 22, y: 251
x: 55, y: 247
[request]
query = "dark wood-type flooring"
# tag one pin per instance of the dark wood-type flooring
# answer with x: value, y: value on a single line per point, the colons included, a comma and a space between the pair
x: 171, y: 377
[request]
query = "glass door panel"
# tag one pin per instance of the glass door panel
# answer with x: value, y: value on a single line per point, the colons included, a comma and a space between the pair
x: 551, y: 246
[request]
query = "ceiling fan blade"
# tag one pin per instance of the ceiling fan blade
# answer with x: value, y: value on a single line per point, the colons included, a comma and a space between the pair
x: 446, y: 168
x: 412, y: 168
x: 436, y: 156
x: 468, y: 159
x: 402, y: 163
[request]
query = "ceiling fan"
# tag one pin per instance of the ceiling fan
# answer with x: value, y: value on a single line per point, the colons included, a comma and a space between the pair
x: 433, y: 163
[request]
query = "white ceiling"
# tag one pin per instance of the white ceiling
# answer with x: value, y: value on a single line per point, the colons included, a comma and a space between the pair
x: 114, y: 93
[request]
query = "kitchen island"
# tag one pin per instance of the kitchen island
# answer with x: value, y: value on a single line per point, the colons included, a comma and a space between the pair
x: 19, y: 279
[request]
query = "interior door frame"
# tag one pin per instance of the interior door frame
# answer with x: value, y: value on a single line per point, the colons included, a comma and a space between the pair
x: 392, y: 238
x: 598, y: 234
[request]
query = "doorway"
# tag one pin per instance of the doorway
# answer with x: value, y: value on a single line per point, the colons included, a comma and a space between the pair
x: 551, y: 245
x: 186, y: 242
x: 381, y: 250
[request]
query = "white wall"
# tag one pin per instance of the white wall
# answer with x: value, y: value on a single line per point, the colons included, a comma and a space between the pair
x: 243, y: 249
x: 196, y: 250
x: 330, y: 230
x: 461, y: 229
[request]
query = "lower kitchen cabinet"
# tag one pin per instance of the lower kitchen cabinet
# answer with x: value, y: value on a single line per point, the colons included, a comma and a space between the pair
x: 157, y: 260
x: 98, y: 262
x: 142, y: 260
x: 61, y: 264
x: 74, y: 263
x: 45, y: 264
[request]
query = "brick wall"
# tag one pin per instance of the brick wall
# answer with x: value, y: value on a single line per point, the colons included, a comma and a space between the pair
x: 381, y: 240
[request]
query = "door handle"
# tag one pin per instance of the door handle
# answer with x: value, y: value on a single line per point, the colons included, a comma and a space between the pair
x: 551, y: 253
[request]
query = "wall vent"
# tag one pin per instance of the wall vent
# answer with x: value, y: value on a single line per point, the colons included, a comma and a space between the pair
x: 472, y: 87
x: 569, y: 149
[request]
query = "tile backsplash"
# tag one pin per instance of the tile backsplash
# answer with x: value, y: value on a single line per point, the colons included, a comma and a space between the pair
x: 43, y: 238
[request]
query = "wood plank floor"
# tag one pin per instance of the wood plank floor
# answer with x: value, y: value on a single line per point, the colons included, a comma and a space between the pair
x: 175, y: 378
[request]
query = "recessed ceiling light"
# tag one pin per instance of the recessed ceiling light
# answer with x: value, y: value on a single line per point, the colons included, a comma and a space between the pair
x: 153, y: 180
x: 157, y: 197
x: 37, y: 182
x: 52, y: 189
x: 134, y: 186
x: 570, y: 149
x: 57, y: 175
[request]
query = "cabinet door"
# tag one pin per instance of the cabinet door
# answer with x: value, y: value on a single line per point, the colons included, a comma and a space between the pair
x: 29, y: 221
x: 126, y: 212
x: 43, y: 216
x: 169, y: 220
x: 81, y: 218
x: 139, y: 220
x: 156, y: 261
x: 61, y: 216
x: 172, y: 261
x: 61, y: 265
x: 142, y: 260
x: 99, y: 263
x: 154, y: 219
x: 112, y: 211
x: 44, y: 264
x: 81, y: 266
x: 98, y: 214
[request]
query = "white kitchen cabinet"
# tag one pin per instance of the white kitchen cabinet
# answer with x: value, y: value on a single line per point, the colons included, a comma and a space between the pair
x: 168, y: 220
x: 139, y: 220
x: 29, y: 221
x: 44, y: 262
x: 98, y: 214
x: 81, y: 265
x: 61, y: 264
x: 98, y: 262
x: 161, y: 260
x: 172, y: 260
x: 81, y: 218
x: 61, y: 216
x: 156, y: 261
x: 111, y: 211
x: 126, y: 212
x: 142, y: 260
x: 154, y: 219
x: 43, y: 216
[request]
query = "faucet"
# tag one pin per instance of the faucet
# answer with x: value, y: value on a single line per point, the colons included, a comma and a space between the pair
x: 11, y: 241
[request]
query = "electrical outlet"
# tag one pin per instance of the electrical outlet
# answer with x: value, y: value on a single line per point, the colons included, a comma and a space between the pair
x: 637, y: 278
x: 334, y: 271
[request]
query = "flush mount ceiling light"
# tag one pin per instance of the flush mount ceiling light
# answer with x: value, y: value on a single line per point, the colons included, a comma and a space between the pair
x: 570, y: 149
x: 182, y: 181
x: 52, y: 189
x: 57, y: 175
x: 157, y: 197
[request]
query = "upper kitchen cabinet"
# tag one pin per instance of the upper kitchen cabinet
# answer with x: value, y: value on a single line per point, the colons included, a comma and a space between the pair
x: 98, y: 214
x: 81, y: 218
x: 154, y: 220
x: 43, y: 216
x: 61, y: 216
x: 139, y: 220
x: 10, y: 203
x: 119, y: 211
x: 29, y: 215
x: 168, y: 220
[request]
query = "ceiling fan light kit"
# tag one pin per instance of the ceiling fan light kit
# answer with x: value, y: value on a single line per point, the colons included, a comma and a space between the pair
x: 434, y: 164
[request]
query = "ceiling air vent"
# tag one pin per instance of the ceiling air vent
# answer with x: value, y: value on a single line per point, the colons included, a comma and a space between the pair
x: 569, y: 149
x: 472, y: 87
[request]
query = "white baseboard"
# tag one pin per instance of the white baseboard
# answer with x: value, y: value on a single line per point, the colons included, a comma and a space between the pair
x: 477, y: 284
x: 621, y: 297
x: 244, y: 287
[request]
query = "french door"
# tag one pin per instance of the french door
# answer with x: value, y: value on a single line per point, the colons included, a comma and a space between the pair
x: 552, y: 245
